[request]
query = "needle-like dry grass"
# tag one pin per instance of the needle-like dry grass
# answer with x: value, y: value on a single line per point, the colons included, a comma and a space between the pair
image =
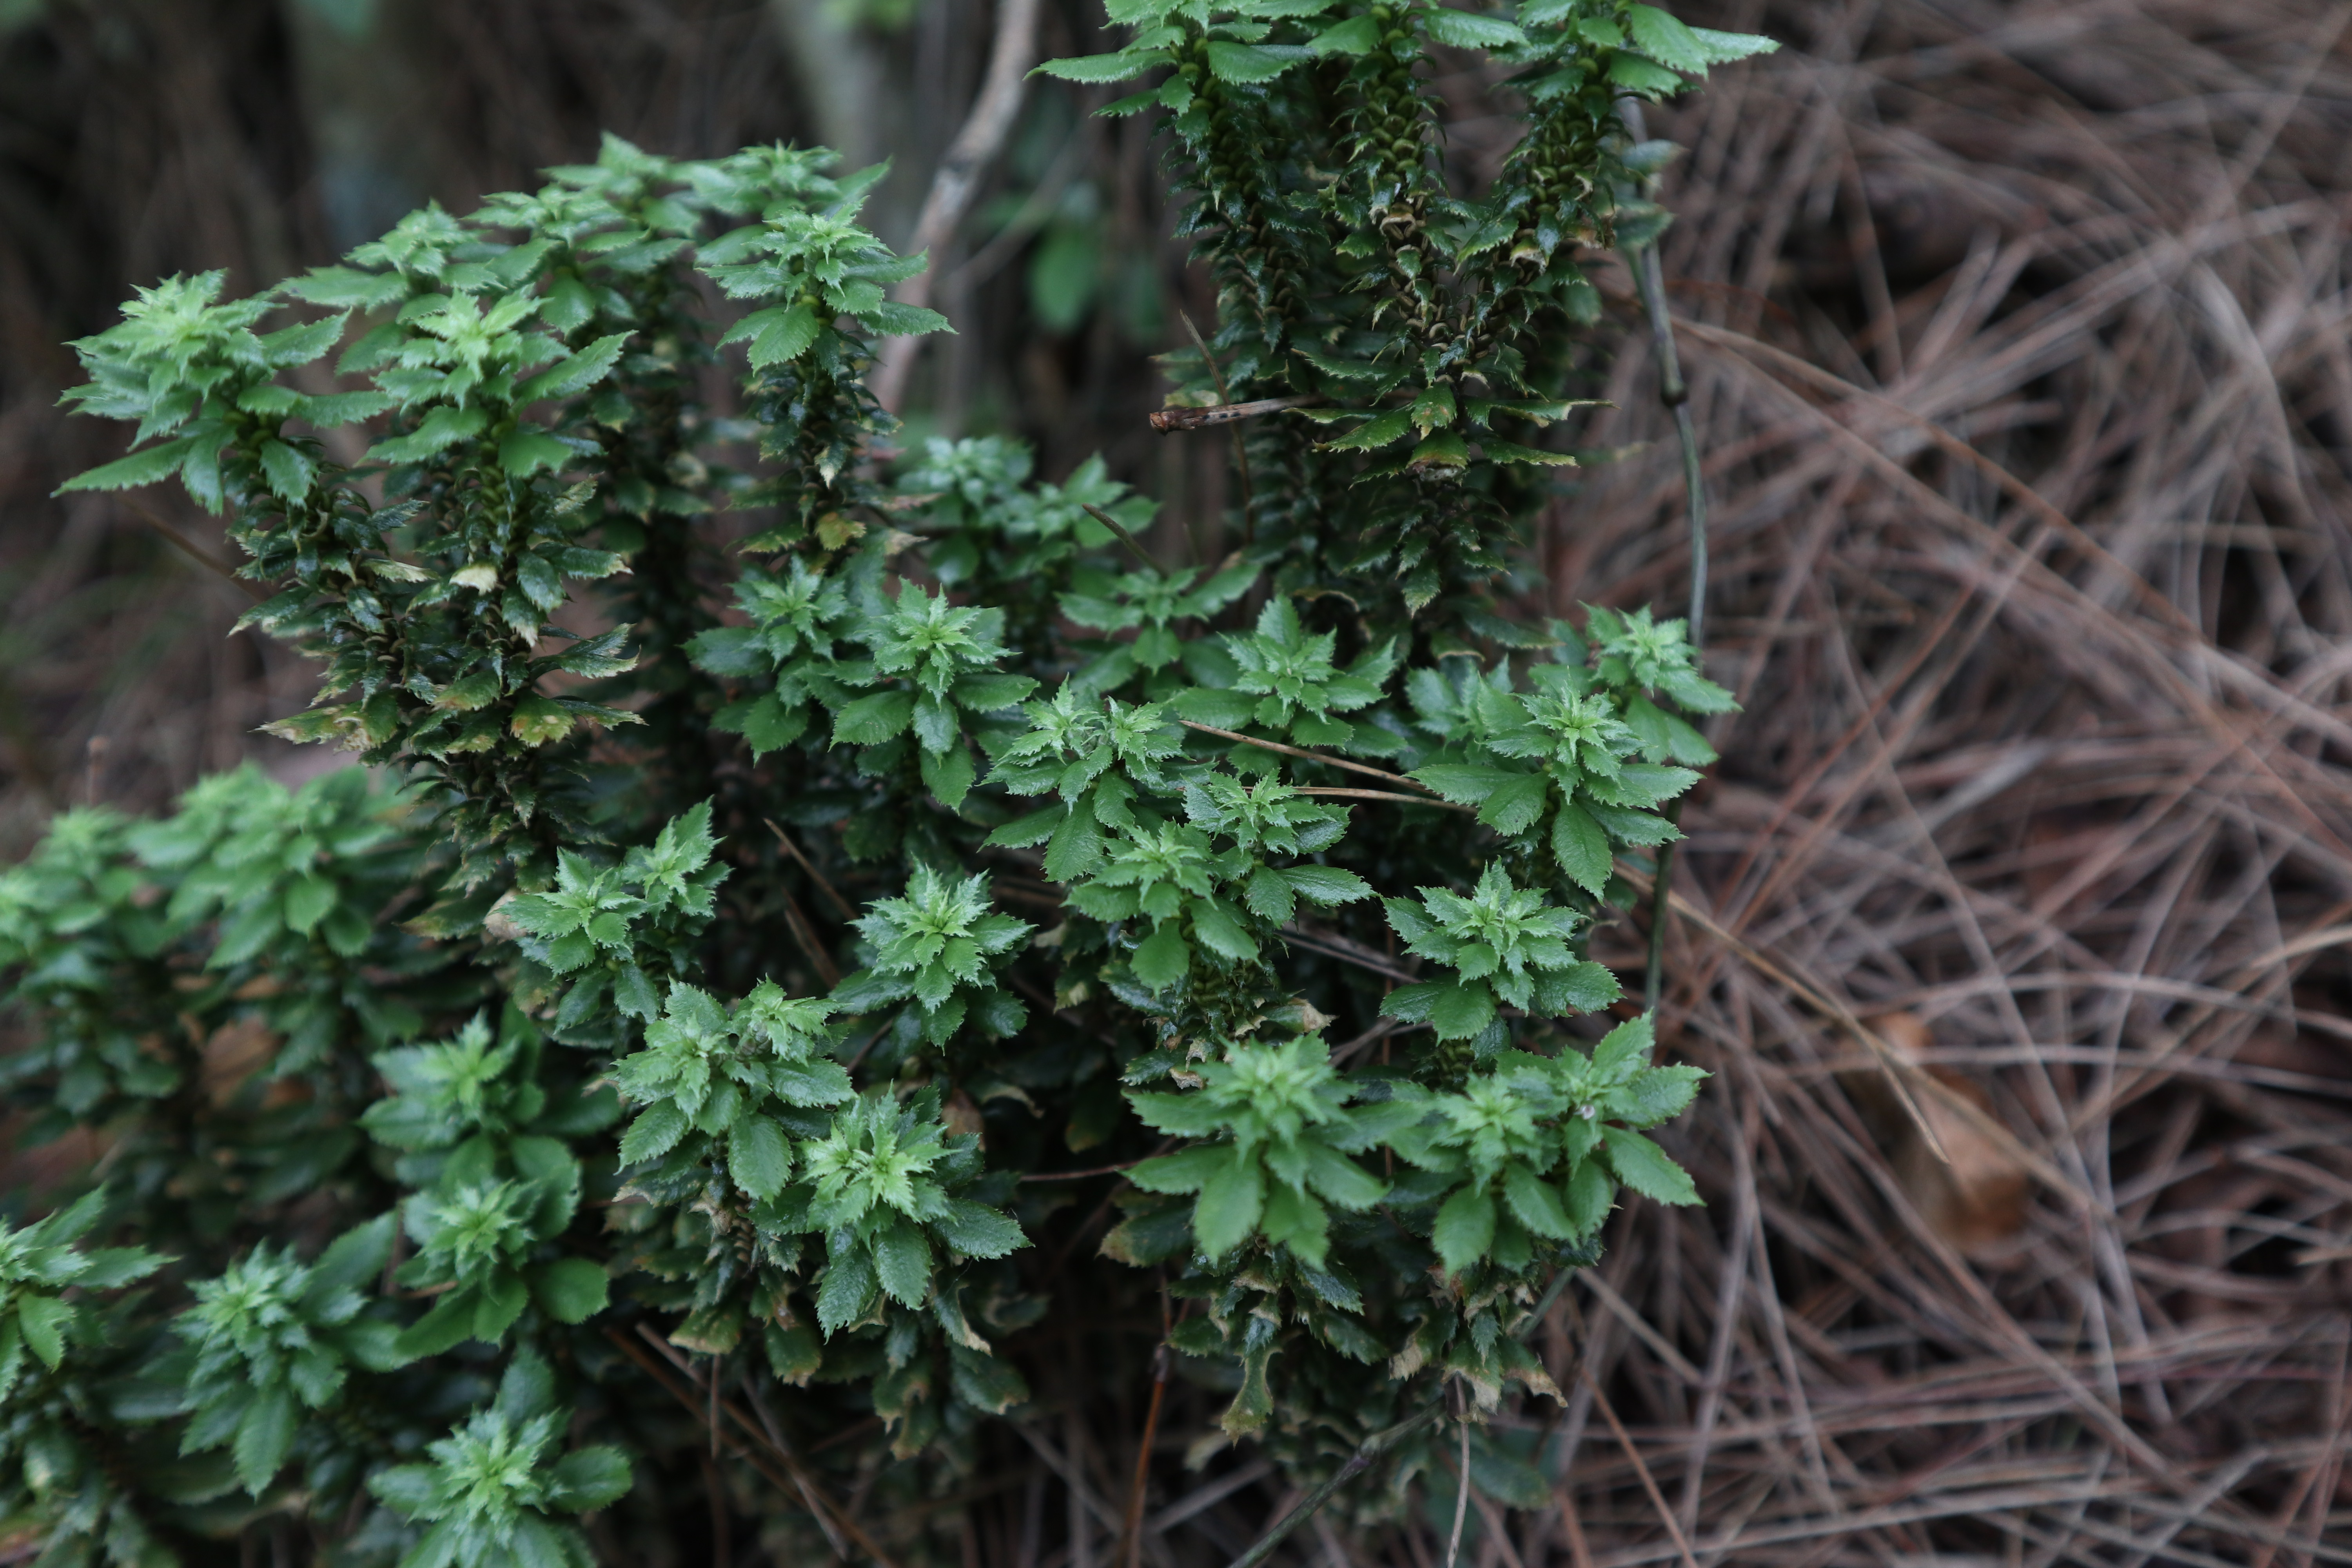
x: 2017, y: 341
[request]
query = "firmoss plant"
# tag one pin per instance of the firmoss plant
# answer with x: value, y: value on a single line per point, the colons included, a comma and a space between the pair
x: 670, y: 1019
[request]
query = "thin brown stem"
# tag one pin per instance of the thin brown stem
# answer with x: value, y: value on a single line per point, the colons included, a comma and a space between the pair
x: 841, y: 906
x: 958, y: 178
x: 1118, y: 529
x: 754, y: 1445
x: 1168, y: 421
x: 1641, y: 1467
x: 1388, y: 794
x: 1385, y: 777
x: 1240, y: 452
x: 1131, y: 1550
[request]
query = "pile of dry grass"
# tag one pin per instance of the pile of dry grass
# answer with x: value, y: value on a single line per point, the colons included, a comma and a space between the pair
x: 2017, y: 336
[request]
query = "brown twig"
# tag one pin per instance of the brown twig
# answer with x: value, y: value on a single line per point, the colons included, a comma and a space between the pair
x: 754, y: 1445
x: 842, y: 906
x: 1336, y: 946
x: 1325, y: 757
x: 805, y: 933
x: 195, y: 552
x: 1388, y: 794
x: 1118, y: 529
x: 957, y: 177
x: 1130, y: 1542
x: 1170, y: 420
x: 1641, y: 1469
x: 1098, y: 1170
x: 1240, y: 447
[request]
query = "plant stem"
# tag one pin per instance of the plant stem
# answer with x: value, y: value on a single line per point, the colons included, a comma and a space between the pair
x: 1133, y: 543
x: 1241, y: 451
x: 1169, y: 420
x: 1461, y: 1500
x: 1371, y: 1449
x: 1384, y: 795
x: 1311, y: 756
x: 1130, y: 1554
x: 958, y: 178
x: 1379, y: 1442
x: 1648, y: 275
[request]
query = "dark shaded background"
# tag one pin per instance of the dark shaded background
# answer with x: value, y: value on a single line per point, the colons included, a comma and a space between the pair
x: 140, y: 137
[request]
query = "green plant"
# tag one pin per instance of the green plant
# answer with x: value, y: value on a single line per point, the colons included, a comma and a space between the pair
x: 668, y: 1028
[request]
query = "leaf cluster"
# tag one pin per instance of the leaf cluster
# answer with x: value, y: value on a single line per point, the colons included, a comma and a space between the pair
x: 714, y: 943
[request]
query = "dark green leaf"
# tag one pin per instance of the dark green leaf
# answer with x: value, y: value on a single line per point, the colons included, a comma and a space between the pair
x: 45, y: 1320
x: 588, y: 1478
x: 758, y: 1156
x: 569, y: 377
x: 653, y: 1133
x: 1164, y: 958
x: 1647, y: 1168
x: 1124, y: 66
x: 1464, y: 30
x: 1231, y: 1201
x: 1465, y: 1229
x: 141, y: 467
x: 265, y: 1435
x: 569, y: 1290
x: 902, y: 1260
x: 1248, y: 63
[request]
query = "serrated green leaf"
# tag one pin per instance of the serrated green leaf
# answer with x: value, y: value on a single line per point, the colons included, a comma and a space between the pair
x: 289, y: 471
x: 1326, y: 884
x: 1647, y: 1168
x: 891, y: 320
x: 43, y: 1319
x: 1356, y: 36
x: 1535, y: 1203
x: 758, y: 1155
x: 588, y: 1478
x: 1513, y: 805
x: 1723, y: 48
x: 1383, y: 430
x: 1231, y: 1201
x: 142, y: 468
x: 1666, y: 40
x: 569, y: 376
x: 1163, y: 959
x: 1590, y: 1194
x: 1497, y: 450
x: 1636, y: 75
x: 571, y: 1289
x: 528, y: 452
x: 265, y: 1435
x: 1580, y: 847
x: 978, y: 1231
x: 1220, y: 934
x: 902, y: 1261
x: 441, y: 428
x: 1465, y: 30
x: 653, y: 1133
x: 1465, y: 1228
x: 1098, y: 70
x: 777, y: 336
x: 1076, y: 847
x: 872, y: 719
x: 1187, y: 1170
x: 1244, y: 64
x: 1461, y: 1010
